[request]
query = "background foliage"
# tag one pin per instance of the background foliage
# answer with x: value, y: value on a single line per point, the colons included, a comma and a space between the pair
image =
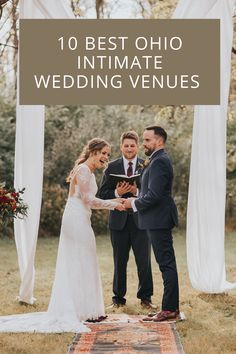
x: 68, y: 128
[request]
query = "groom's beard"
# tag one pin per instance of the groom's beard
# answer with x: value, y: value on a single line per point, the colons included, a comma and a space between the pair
x: 148, y: 152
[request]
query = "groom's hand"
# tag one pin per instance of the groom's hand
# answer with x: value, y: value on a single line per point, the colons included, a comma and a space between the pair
x: 127, y: 203
x: 120, y: 207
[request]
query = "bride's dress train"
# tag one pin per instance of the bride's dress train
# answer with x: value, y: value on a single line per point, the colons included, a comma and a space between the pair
x: 77, y: 291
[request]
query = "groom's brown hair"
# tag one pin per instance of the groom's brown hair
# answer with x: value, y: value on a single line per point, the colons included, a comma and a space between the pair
x: 131, y: 134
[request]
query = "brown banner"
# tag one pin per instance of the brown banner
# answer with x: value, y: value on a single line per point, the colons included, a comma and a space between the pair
x: 119, y: 61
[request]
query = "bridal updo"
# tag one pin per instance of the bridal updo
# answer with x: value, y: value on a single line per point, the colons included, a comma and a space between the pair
x: 91, y: 148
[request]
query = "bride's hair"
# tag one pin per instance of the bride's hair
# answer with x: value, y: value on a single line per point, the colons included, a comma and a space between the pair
x: 92, y: 147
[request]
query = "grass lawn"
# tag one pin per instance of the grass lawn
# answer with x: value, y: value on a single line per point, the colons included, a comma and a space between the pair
x: 209, y: 329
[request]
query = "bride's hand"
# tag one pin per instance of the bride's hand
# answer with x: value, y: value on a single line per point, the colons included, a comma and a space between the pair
x: 119, y: 200
x: 120, y: 207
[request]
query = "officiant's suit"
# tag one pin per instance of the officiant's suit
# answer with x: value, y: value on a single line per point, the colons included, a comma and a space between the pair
x: 125, y: 234
x: 158, y: 215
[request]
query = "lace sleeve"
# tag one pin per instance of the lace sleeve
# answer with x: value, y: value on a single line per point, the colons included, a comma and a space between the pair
x: 83, y: 178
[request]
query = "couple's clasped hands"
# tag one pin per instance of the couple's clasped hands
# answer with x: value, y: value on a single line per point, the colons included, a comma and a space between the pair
x: 123, y: 188
x: 124, y: 204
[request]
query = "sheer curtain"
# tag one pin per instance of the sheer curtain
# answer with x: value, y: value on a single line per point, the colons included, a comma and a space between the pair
x: 29, y: 149
x: 207, y: 185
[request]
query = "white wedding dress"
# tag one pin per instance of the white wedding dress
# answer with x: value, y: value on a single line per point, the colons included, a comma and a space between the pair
x: 77, y: 291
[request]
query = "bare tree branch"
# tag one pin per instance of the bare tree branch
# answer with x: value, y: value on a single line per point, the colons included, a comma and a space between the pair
x: 75, y: 8
x: 15, y: 36
x: 140, y: 3
x: 99, y: 8
x: 7, y: 45
x: 72, y: 5
x: 2, y: 2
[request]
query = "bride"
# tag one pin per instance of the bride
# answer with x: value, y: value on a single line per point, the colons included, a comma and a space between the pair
x: 77, y: 292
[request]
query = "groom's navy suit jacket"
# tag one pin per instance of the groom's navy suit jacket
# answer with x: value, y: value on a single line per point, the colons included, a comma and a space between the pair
x: 117, y: 219
x: 155, y: 205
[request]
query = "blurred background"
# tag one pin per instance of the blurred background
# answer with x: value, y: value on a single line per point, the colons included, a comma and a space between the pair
x: 68, y: 128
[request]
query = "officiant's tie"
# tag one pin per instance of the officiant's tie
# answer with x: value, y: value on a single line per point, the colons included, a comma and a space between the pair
x: 130, y: 169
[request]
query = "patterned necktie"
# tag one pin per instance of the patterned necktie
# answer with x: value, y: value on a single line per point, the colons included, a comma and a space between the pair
x: 130, y: 169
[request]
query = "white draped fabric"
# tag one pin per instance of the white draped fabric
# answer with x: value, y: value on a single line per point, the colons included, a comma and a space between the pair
x: 29, y: 149
x: 28, y: 173
x: 207, y: 185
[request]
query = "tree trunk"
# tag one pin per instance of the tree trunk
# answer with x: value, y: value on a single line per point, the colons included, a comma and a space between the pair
x: 99, y: 8
x: 15, y: 38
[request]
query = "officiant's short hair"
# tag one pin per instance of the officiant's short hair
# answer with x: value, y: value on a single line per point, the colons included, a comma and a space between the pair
x: 131, y: 134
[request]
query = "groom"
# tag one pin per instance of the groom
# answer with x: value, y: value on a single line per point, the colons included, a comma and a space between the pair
x: 158, y: 215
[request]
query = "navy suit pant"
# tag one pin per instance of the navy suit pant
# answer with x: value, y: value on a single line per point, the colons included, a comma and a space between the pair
x: 122, y: 241
x: 162, y: 244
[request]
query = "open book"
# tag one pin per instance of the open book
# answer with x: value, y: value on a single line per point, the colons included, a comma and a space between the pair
x: 114, y: 179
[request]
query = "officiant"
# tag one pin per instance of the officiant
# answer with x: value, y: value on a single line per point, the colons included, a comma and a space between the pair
x: 124, y: 230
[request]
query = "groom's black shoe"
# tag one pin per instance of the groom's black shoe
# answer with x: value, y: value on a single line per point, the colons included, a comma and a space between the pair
x: 148, y: 304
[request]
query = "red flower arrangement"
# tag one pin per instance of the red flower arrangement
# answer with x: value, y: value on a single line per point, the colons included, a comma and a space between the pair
x: 11, y: 204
